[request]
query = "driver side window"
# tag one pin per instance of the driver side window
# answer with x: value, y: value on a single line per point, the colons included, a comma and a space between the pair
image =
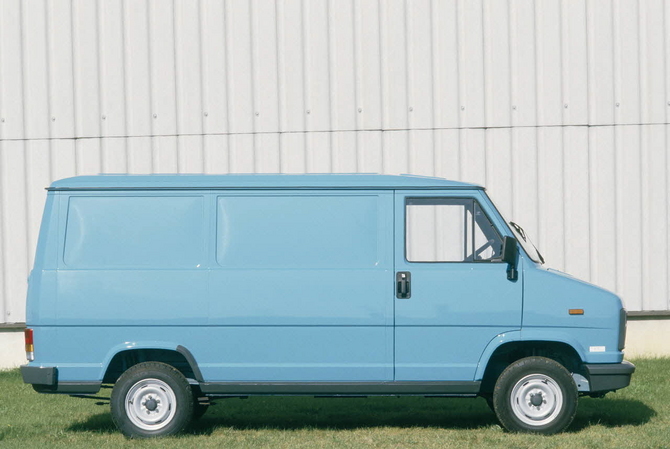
x: 449, y: 230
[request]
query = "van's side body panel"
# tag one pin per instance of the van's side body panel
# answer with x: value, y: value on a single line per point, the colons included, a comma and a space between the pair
x: 287, y: 284
x: 258, y: 285
x: 300, y: 287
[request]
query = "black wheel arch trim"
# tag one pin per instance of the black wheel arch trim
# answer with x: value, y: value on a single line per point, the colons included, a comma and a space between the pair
x: 191, y: 361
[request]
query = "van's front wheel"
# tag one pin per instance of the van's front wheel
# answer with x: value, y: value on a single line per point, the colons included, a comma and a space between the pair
x: 536, y: 395
x: 151, y: 399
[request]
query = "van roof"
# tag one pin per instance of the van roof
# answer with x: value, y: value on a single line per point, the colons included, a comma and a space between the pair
x: 255, y: 181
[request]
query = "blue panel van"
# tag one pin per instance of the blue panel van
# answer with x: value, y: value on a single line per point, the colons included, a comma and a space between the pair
x: 180, y: 288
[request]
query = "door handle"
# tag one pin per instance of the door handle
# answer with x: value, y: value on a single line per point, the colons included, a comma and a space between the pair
x: 403, y: 288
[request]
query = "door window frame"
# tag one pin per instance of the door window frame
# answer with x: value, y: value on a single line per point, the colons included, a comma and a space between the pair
x: 475, y: 201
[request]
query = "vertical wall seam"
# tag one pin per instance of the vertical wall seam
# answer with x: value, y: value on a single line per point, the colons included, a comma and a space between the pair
x: 537, y: 48
x: 47, y: 54
x: 589, y: 64
x: 124, y: 65
x: 177, y: 81
x: 434, y: 56
x: 101, y: 79
x: 3, y: 252
x: 593, y: 212
x: 329, y: 93
x: 229, y: 98
x: 253, y: 62
x: 358, y: 81
x: 281, y: 91
x: 383, y: 66
x: 642, y: 16
x: 201, y: 72
x: 433, y: 98
x: 4, y: 288
x: 644, y: 169
x: 667, y: 211
x: 486, y: 61
x: 204, y: 103
x: 49, y: 100
x: 565, y: 70
x: 409, y: 57
x: 25, y: 121
x: 152, y: 106
x: 564, y: 85
x: 666, y: 33
x: 512, y: 60
x: 462, y: 84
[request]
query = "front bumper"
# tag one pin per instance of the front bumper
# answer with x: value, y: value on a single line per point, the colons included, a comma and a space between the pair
x: 44, y: 379
x: 604, y: 377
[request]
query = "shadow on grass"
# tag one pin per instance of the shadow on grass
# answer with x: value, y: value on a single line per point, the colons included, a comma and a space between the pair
x: 611, y: 413
x: 295, y: 413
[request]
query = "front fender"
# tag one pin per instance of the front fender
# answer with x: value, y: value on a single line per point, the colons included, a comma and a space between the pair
x: 539, y: 335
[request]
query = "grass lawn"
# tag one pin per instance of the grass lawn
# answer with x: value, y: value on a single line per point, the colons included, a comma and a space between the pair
x: 637, y: 416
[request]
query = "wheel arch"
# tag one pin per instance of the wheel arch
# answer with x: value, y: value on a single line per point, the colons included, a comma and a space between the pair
x: 508, y: 348
x: 178, y: 357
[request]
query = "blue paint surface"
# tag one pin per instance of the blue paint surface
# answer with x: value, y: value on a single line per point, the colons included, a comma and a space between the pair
x: 286, y: 278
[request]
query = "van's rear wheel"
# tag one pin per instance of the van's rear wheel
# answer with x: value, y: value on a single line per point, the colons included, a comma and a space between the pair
x: 536, y: 395
x: 151, y: 399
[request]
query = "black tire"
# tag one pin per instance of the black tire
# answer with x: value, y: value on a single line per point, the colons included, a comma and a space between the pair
x: 151, y: 399
x: 535, y: 395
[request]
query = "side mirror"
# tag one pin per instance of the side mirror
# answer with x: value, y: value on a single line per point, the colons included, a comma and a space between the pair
x: 510, y: 252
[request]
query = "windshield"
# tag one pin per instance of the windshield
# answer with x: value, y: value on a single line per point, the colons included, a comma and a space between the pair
x: 528, y: 246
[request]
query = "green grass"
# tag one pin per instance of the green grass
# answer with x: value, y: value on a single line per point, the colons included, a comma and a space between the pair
x: 635, y: 417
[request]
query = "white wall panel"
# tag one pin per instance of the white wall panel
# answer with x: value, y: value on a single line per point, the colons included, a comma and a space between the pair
x: 266, y: 93
x: 574, y: 66
x: 11, y: 70
x: 111, y: 55
x: 446, y: 75
x: 214, y: 65
x: 36, y: 98
x: 137, y: 59
x: 369, y: 69
x: 189, y: 68
x: 155, y: 67
x: 162, y: 53
x: 497, y: 63
x: 60, y: 70
x: 86, y: 73
x: 560, y: 107
x: 15, y: 228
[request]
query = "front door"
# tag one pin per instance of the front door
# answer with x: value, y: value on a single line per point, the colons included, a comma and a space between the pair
x: 452, y: 293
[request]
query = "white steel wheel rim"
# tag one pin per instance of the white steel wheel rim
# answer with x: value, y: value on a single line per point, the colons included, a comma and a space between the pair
x: 536, y: 400
x: 151, y: 404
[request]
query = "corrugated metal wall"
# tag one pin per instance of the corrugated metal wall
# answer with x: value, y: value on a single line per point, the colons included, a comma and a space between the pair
x: 560, y: 107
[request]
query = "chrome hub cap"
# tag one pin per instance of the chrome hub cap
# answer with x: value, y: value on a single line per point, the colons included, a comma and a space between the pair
x: 536, y: 400
x: 150, y: 404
